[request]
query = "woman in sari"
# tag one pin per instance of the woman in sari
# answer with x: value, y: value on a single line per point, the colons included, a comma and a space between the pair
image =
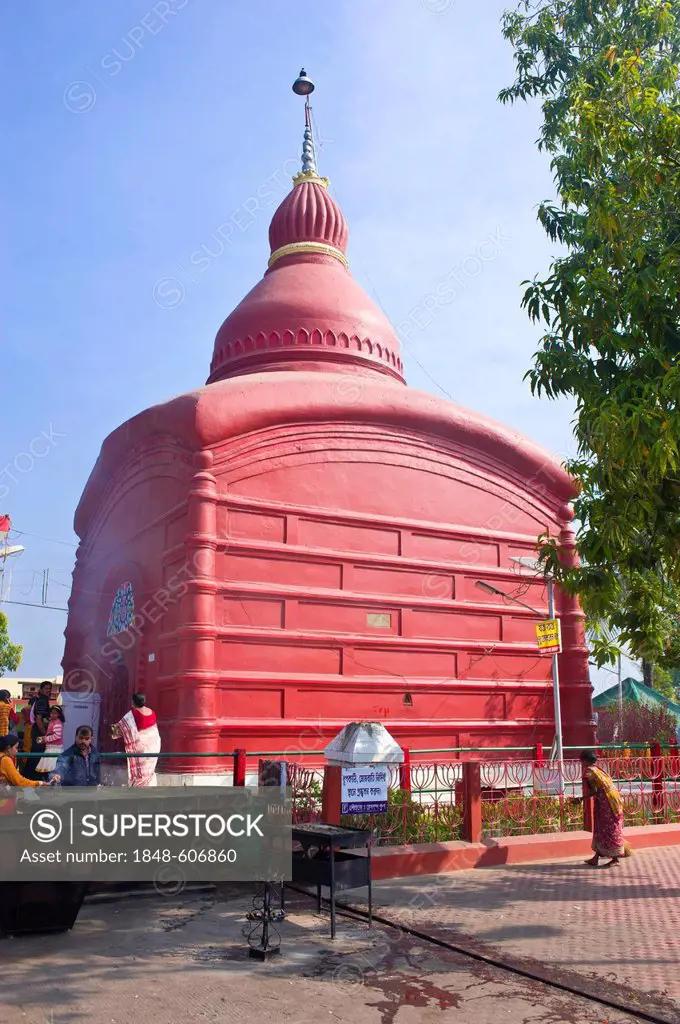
x: 53, y: 741
x: 140, y: 736
x: 9, y: 776
x: 608, y: 838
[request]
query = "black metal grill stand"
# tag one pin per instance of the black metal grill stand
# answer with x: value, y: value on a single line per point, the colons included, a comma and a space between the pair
x: 324, y: 862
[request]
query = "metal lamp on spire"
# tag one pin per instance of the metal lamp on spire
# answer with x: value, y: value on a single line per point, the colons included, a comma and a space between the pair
x: 304, y: 86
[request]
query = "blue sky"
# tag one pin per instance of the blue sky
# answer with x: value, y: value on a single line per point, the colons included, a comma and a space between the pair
x: 136, y: 129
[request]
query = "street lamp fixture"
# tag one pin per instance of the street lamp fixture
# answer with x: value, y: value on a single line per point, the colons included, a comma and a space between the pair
x: 6, y: 552
x: 509, y: 597
x: 535, y: 566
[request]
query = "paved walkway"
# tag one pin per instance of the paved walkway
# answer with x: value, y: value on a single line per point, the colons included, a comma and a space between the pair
x: 172, y: 960
x: 617, y: 928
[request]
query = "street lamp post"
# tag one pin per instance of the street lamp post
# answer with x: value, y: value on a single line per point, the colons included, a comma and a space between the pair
x: 556, y: 680
x: 620, y: 698
x: 5, y: 553
x: 531, y: 564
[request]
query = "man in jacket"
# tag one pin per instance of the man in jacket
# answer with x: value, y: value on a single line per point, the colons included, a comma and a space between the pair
x: 79, y: 764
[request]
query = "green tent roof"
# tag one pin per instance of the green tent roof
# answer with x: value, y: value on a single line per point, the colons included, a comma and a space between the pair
x: 636, y: 691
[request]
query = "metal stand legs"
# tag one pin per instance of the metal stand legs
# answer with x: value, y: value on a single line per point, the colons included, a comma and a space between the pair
x: 264, y: 939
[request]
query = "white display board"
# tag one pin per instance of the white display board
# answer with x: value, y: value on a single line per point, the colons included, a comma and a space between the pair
x: 364, y: 789
x: 79, y: 709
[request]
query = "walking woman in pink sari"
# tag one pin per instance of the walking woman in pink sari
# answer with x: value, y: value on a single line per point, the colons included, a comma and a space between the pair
x: 141, y: 737
x: 608, y: 838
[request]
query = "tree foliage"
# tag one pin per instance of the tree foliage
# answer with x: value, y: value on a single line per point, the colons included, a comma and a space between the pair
x: 662, y: 681
x: 606, y: 72
x: 10, y: 654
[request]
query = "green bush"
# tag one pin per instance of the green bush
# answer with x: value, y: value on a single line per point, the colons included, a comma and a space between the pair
x: 517, y: 814
x: 408, y: 821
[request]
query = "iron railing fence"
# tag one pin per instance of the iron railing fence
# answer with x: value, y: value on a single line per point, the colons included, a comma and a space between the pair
x: 427, y: 796
x: 516, y: 797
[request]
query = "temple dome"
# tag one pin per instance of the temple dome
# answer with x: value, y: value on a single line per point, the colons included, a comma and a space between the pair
x: 307, y: 312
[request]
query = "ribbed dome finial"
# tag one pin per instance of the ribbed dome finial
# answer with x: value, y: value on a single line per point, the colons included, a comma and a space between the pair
x: 308, y: 220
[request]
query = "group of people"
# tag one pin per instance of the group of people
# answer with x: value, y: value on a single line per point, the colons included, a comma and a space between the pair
x: 79, y: 764
x: 43, y: 726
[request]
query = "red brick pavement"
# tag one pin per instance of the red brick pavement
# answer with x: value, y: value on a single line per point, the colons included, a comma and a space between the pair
x: 620, y: 924
x: 171, y: 961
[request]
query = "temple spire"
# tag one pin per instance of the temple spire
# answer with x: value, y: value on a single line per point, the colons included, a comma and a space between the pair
x: 308, y: 154
x: 304, y: 86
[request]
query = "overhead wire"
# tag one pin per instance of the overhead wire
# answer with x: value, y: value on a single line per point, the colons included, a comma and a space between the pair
x: 37, y: 536
x: 404, y: 341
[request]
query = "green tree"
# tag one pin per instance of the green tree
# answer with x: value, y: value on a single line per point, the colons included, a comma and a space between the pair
x: 10, y: 654
x: 662, y: 682
x: 606, y: 72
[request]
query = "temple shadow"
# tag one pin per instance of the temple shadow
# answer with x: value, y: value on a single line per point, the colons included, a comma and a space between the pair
x: 531, y: 883
x: 516, y: 931
x: 128, y: 943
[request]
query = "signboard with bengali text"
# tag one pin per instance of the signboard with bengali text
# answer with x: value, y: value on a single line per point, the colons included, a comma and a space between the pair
x: 364, y: 789
x: 548, y: 636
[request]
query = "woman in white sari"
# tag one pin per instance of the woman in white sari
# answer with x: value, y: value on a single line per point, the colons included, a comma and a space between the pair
x: 140, y: 736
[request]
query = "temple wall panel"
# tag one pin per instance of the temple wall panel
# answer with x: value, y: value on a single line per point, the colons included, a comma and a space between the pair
x: 275, y: 569
x: 451, y: 625
x: 250, y: 612
x: 341, y: 583
x: 408, y: 583
x: 406, y: 664
x: 290, y: 659
x: 235, y: 523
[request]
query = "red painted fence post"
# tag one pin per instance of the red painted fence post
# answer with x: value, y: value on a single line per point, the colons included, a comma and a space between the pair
x: 405, y: 771
x: 239, y: 767
x: 657, y: 777
x: 538, y: 753
x: 472, y: 802
x: 332, y: 795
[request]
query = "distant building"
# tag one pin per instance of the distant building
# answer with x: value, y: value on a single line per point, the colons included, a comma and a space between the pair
x: 22, y: 688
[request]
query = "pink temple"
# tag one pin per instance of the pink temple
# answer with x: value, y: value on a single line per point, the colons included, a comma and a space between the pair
x: 297, y: 544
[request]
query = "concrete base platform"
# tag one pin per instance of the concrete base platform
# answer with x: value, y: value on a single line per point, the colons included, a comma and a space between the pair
x: 435, y: 858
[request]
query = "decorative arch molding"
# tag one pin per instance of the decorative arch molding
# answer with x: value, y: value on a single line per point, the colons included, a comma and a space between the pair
x: 273, y: 449
x: 175, y: 463
x: 376, y: 352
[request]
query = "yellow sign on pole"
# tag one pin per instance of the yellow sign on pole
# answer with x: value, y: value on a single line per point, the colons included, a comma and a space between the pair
x: 548, y: 636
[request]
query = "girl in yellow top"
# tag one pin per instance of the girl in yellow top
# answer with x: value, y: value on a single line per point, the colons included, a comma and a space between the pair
x: 9, y: 746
